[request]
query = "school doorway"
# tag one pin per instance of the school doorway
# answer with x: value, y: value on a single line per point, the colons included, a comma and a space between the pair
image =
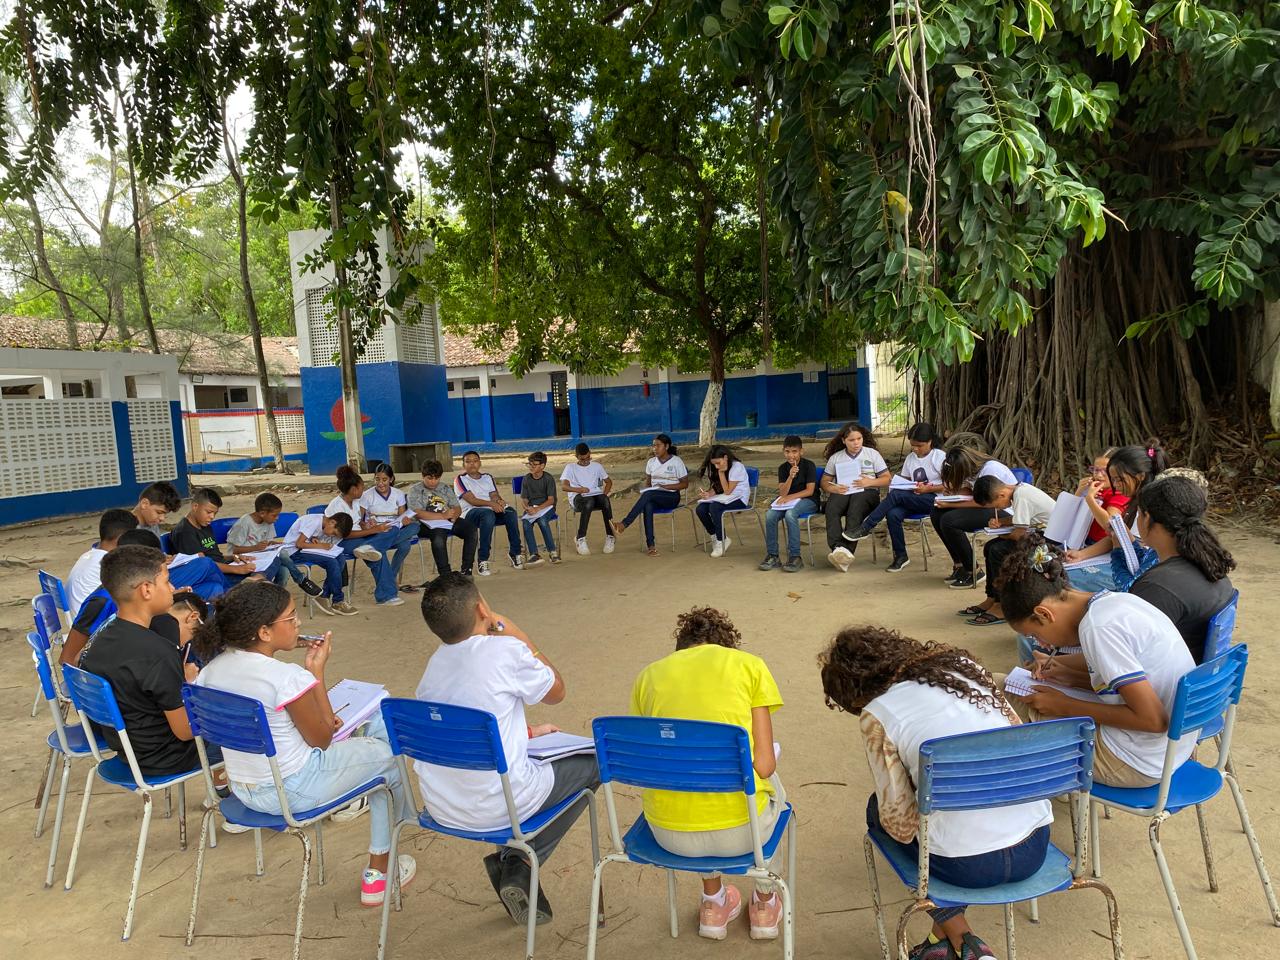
x: 842, y: 392
x: 560, y: 403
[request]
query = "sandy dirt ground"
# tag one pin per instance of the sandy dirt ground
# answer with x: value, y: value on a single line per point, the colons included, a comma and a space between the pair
x: 602, y: 618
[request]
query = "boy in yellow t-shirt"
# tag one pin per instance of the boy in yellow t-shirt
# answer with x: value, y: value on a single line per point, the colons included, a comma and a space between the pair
x: 709, y: 678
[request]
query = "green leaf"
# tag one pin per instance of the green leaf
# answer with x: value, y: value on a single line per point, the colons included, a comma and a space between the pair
x: 729, y: 9
x: 778, y: 14
x: 977, y: 139
x: 963, y: 70
x: 990, y: 163
x: 710, y: 26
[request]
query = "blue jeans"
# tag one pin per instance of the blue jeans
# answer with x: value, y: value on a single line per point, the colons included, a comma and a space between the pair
x: 276, y: 572
x: 401, y: 537
x: 485, y: 520
x: 979, y: 871
x: 711, y: 513
x: 895, y: 508
x: 330, y: 773
x: 201, y: 576
x: 1091, y: 579
x: 543, y: 523
x: 384, y: 579
x: 650, y: 501
x: 332, y: 566
x: 792, y: 519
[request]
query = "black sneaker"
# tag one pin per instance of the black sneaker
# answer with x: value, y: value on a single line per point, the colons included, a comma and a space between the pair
x: 309, y: 587
x: 955, y: 572
x: 980, y: 576
x: 771, y: 562
x: 793, y: 565
x: 963, y: 581
x: 899, y: 564
x: 860, y: 534
x: 514, y: 892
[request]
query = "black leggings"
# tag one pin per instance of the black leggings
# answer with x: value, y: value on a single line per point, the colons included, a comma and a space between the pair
x: 585, y: 505
x: 853, y: 508
x: 953, y: 524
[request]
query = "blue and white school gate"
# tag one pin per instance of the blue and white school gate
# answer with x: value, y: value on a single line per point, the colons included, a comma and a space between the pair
x: 81, y: 432
x: 409, y: 395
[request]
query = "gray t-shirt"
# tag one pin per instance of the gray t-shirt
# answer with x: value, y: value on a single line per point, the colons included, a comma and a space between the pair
x: 538, y: 492
x: 438, y: 499
x: 247, y: 532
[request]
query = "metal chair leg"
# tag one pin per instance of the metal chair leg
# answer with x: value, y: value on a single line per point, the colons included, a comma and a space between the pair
x: 1033, y: 910
x: 1267, y: 890
x: 915, y: 907
x: 57, y: 821
x: 258, y: 868
x: 205, y: 820
x: 531, y: 926
x: 319, y: 853
x: 147, y: 806
x: 1208, y: 848
x: 1153, y: 833
x: 1095, y: 840
x: 788, y: 918
x: 84, y: 813
x: 671, y: 903
x: 924, y: 546
x: 874, y: 884
x: 1113, y: 911
x: 168, y: 803
x: 45, y: 791
x: 302, y: 890
x: 182, y: 816
x: 393, y: 858
x: 1009, y: 945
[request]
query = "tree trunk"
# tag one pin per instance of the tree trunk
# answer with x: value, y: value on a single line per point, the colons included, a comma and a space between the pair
x: 352, y: 426
x: 144, y: 302
x: 715, y: 392
x: 42, y: 261
x: 250, y: 302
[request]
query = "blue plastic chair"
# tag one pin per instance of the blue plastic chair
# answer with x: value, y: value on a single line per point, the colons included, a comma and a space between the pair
x: 96, y: 702
x: 1217, y: 641
x: 1203, y: 696
x: 317, y: 508
x: 221, y: 527
x: 989, y: 770
x: 688, y: 756
x: 166, y: 544
x: 66, y: 742
x: 684, y: 504
x: 467, y: 739
x: 239, y: 723
x: 753, y: 479
x: 284, y: 522
x: 53, y: 587
x: 517, y: 483
x: 923, y: 522
x: 1023, y: 474
x: 49, y: 627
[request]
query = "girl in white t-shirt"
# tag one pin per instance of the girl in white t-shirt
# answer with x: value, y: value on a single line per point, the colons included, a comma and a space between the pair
x: 852, y: 479
x: 665, y: 477
x: 254, y: 621
x: 368, y: 540
x: 904, y: 693
x: 385, y: 504
x: 911, y: 492
x: 730, y: 490
x: 1131, y: 660
x: 954, y: 520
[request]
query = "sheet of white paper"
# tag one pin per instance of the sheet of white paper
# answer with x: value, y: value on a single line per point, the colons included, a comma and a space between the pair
x: 407, y: 517
x: 951, y: 497
x: 537, y: 513
x: 354, y: 702
x: 1069, y: 522
x: 1091, y: 562
x: 439, y: 524
x: 1021, y: 683
x: 847, y: 471
x: 900, y: 482
x: 553, y: 746
x: 183, y: 558
x: 332, y: 551
x: 262, y: 558
x: 789, y: 505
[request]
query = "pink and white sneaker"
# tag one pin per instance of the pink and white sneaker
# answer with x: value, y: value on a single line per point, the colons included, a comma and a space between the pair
x: 373, y: 885
x: 714, y: 918
x: 764, y: 916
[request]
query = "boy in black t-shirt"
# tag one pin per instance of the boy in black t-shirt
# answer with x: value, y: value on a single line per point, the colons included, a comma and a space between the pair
x: 193, y: 535
x: 797, y: 499
x: 145, y: 670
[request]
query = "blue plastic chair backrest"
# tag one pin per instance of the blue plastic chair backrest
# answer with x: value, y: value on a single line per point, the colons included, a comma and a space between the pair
x: 444, y: 734
x: 1222, y: 625
x: 284, y: 522
x: 753, y: 476
x: 221, y: 527
x: 317, y: 508
x: 92, y: 696
x: 1023, y: 474
x: 166, y: 544
x: 688, y: 756
x: 1205, y: 693
x: 41, y: 650
x: 1005, y: 766
x: 232, y: 721
x: 516, y: 484
x: 818, y: 481
x: 53, y: 587
x: 45, y: 614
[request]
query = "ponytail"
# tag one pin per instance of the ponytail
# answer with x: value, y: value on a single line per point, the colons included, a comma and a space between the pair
x: 1178, y: 503
x: 348, y: 479
x: 664, y: 438
x: 238, y: 616
x: 1140, y: 463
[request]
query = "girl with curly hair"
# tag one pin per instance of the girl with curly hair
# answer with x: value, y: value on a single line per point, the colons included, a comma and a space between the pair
x: 852, y: 479
x: 906, y: 692
x: 1126, y: 674
x: 709, y: 678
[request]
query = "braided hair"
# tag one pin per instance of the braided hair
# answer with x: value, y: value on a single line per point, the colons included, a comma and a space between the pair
x: 1178, y: 504
x: 862, y: 662
x: 1033, y: 572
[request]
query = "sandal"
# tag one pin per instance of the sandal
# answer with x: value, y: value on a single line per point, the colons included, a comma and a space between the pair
x: 652, y: 551
x: 972, y: 611
x: 408, y: 588
x: 984, y: 619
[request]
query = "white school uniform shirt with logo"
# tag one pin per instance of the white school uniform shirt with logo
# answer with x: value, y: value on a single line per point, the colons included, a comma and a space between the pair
x: 912, y: 713
x: 309, y: 525
x: 993, y: 468
x: 1031, y: 506
x: 481, y: 486
x: 868, y: 460
x: 85, y: 577
x: 926, y: 469
x: 386, y: 510
x: 337, y: 505
x: 663, y: 474
x: 739, y: 485
x: 1125, y: 640
x: 500, y: 675
x: 275, y: 684
x: 592, y: 476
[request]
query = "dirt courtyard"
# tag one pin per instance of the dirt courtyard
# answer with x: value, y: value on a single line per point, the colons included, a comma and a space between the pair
x: 601, y: 619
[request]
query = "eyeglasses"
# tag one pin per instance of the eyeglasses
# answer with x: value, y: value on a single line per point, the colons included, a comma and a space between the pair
x: 1097, y: 470
x: 295, y: 619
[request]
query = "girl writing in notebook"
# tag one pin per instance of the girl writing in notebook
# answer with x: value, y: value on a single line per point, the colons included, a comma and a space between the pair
x: 852, y: 479
x: 709, y: 678
x: 255, y: 621
x: 905, y: 692
x: 954, y: 519
x: 384, y: 505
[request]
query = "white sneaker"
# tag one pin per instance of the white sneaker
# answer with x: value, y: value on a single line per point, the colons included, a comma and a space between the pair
x: 717, y: 548
x: 583, y: 549
x: 840, y: 558
x: 368, y: 553
x: 393, y: 602
x: 351, y: 811
x: 517, y: 562
x: 608, y: 544
x: 483, y: 570
x: 726, y: 543
x: 373, y: 883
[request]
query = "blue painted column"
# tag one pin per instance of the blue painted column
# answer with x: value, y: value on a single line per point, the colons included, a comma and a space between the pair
x: 762, y: 398
x: 664, y: 399
x: 575, y: 415
x: 866, y: 402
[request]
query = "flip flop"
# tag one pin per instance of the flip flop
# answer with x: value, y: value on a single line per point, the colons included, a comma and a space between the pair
x: 972, y: 611
x: 984, y: 619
